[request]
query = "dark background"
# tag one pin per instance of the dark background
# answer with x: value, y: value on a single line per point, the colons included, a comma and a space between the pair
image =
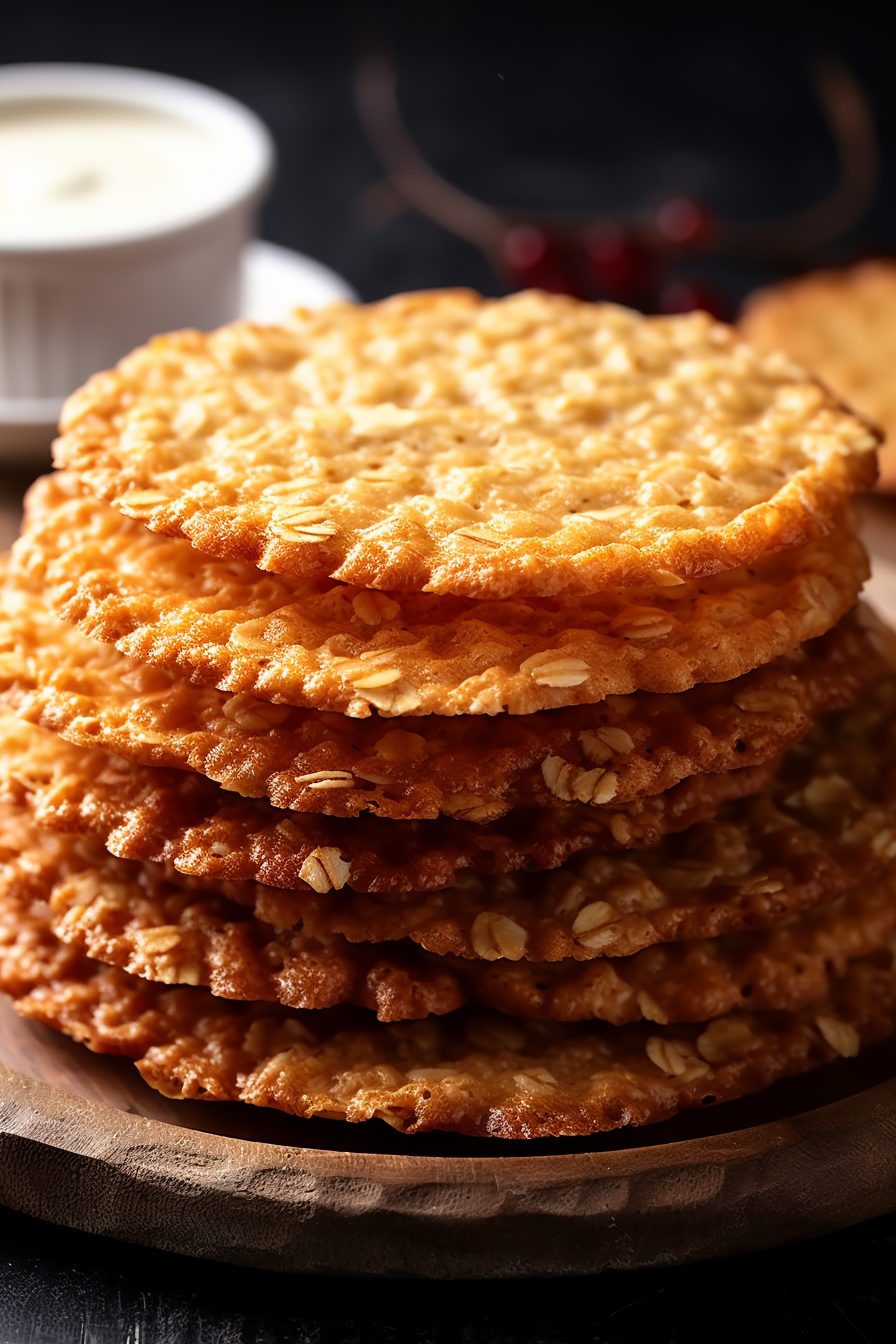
x: 59, y: 1287
x: 596, y: 110
x: 599, y: 112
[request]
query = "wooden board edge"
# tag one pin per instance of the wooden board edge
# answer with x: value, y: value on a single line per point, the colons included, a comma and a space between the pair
x: 300, y: 1210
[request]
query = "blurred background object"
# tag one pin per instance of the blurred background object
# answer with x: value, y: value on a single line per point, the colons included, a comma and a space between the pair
x: 128, y: 206
x: 699, y: 130
x: 127, y: 201
x: 841, y: 324
x: 631, y: 256
x: 654, y: 158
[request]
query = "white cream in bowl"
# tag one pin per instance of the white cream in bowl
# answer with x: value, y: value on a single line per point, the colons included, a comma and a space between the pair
x: 126, y: 200
x: 76, y: 171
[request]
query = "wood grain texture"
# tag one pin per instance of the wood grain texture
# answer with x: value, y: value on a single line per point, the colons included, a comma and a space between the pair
x: 84, y: 1143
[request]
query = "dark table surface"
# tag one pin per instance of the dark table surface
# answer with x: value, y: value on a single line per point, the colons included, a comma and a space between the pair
x: 58, y: 1286
x: 592, y: 114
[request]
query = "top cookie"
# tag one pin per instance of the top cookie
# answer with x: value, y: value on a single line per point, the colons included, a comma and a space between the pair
x: 453, y: 444
x: 842, y: 326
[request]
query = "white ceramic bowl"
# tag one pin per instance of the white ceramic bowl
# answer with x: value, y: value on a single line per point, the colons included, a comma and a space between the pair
x: 68, y: 309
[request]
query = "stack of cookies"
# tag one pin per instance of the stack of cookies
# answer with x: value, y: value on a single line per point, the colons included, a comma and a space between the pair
x: 451, y: 711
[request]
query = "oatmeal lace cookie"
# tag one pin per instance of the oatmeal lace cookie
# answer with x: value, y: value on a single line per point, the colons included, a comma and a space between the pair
x: 826, y: 824
x: 842, y: 326
x: 130, y: 915
x: 329, y: 646
x: 472, y: 1072
x: 180, y: 817
x: 491, y: 448
x: 621, y: 749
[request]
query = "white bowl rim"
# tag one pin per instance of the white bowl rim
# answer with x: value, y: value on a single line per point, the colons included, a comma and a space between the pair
x: 253, y: 155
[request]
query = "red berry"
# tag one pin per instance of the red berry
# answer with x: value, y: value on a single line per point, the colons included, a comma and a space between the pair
x: 685, y: 223
x: 533, y: 259
x: 620, y: 264
x: 525, y: 246
x: 683, y: 296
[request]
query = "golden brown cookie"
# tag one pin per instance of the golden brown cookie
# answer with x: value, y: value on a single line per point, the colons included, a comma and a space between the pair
x: 176, y: 816
x: 128, y: 915
x: 842, y: 326
x: 779, y: 967
x: 734, y: 874
x: 330, y: 646
x: 616, y: 751
x: 522, y: 446
x: 827, y: 824
x: 470, y: 1072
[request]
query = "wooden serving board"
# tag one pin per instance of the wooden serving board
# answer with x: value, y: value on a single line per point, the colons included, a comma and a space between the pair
x: 85, y: 1143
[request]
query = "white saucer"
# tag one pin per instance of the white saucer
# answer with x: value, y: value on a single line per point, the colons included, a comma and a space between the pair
x: 275, y: 280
